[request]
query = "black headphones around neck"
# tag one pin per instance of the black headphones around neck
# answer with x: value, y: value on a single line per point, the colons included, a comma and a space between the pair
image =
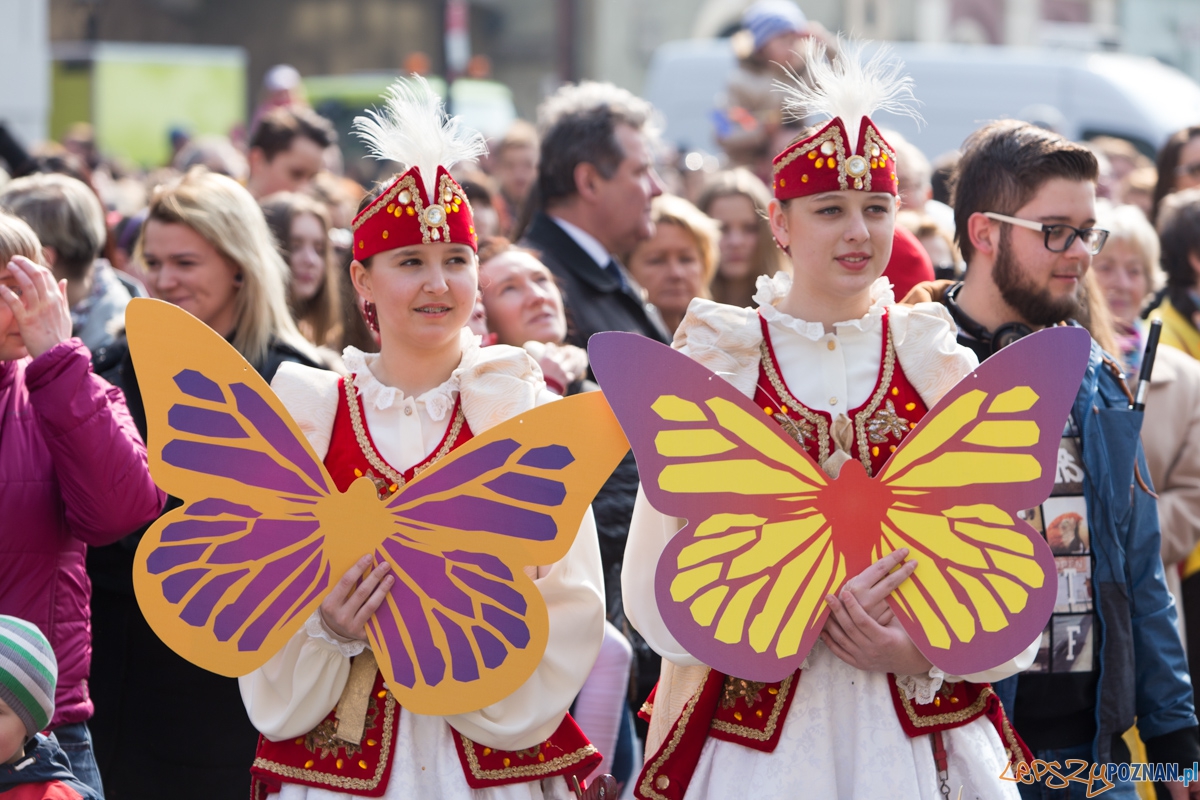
x: 996, y: 340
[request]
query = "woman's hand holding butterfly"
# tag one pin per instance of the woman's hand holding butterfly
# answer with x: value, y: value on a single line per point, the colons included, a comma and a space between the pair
x: 347, y: 608
x: 861, y: 629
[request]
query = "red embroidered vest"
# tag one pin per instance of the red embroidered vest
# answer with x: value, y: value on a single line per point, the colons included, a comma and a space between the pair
x: 320, y: 758
x: 751, y: 713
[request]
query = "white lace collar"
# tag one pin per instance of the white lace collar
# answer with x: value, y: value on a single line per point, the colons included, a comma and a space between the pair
x: 770, y: 290
x: 438, y: 401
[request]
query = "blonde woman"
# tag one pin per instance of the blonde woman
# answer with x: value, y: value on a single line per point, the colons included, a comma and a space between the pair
x: 677, y: 263
x: 206, y: 248
x: 738, y: 201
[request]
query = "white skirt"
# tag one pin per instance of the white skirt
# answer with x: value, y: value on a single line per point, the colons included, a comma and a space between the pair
x: 426, y: 765
x: 842, y: 740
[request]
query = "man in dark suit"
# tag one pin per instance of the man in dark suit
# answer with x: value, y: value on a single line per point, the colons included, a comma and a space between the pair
x: 595, y: 183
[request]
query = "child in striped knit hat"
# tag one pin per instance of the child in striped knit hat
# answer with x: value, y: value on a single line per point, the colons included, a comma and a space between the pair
x: 32, y: 766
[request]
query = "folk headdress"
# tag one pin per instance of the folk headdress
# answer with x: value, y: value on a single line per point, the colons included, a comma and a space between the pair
x: 422, y: 205
x: 849, y: 152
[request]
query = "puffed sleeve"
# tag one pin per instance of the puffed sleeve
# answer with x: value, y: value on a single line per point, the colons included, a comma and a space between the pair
x: 290, y: 694
x: 649, y: 533
x: 926, y: 341
x: 573, y: 589
x: 493, y: 389
x: 726, y: 340
x: 310, y: 396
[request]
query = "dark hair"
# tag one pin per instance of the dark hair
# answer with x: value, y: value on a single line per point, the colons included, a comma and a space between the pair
x: 579, y: 126
x: 1179, y: 233
x: 1168, y: 162
x: 319, y: 317
x: 280, y: 127
x: 1003, y: 166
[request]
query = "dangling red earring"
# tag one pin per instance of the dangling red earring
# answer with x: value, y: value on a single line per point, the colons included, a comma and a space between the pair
x: 370, y: 316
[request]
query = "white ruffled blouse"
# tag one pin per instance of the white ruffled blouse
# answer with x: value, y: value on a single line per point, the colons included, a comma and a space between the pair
x: 841, y: 738
x: 293, y: 692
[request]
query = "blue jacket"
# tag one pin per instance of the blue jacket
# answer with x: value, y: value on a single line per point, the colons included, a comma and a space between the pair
x: 44, y: 762
x: 1143, y: 670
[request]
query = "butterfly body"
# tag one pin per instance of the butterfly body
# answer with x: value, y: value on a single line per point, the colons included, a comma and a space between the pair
x: 768, y: 536
x: 264, y: 533
x: 856, y: 526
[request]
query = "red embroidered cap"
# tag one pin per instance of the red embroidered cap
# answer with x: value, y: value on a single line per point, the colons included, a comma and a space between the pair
x: 825, y: 162
x: 405, y: 214
x: 422, y: 205
x: 849, y: 152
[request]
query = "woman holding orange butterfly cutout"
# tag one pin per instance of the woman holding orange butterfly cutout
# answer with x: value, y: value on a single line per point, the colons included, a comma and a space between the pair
x: 847, y: 374
x: 330, y: 728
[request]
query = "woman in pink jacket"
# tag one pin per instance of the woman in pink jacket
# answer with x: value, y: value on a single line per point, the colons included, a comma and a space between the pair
x: 72, y: 474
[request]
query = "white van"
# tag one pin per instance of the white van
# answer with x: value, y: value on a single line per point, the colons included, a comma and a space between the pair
x: 960, y: 87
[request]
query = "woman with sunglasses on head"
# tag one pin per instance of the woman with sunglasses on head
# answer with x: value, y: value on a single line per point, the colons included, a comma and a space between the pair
x: 830, y: 357
x: 428, y: 390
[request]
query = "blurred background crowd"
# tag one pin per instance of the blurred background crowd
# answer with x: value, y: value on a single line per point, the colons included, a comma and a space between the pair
x: 132, y: 148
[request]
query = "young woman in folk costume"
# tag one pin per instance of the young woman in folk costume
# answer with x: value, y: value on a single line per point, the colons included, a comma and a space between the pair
x: 428, y: 390
x: 835, y: 362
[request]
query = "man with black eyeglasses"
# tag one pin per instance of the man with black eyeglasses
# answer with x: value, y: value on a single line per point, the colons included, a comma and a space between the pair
x: 1025, y: 209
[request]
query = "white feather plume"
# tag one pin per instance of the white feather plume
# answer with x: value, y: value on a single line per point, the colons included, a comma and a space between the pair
x: 414, y: 130
x: 849, y: 86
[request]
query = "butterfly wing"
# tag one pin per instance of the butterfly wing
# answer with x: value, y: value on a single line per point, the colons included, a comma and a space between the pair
x: 225, y: 580
x: 984, y: 587
x: 464, y: 625
x: 742, y: 586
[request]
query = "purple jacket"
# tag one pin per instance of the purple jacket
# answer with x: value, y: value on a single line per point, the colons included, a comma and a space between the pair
x: 72, y: 473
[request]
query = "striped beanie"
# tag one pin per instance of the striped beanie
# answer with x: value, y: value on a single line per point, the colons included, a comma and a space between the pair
x: 28, y: 673
x: 767, y: 19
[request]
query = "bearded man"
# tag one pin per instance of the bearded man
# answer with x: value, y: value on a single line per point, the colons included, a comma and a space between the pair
x: 1025, y: 209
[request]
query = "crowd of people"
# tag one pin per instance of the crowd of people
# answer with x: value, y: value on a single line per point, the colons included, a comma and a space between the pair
x: 828, y: 267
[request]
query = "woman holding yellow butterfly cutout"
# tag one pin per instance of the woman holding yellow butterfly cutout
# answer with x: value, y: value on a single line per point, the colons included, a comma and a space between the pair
x: 330, y: 726
x: 830, y: 359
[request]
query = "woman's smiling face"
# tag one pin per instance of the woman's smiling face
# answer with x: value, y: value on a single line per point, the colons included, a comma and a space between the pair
x: 522, y: 300
x: 423, y: 294
x: 840, y: 241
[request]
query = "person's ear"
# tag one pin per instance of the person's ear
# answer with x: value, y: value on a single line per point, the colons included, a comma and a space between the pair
x: 587, y: 180
x: 983, y: 234
x: 1193, y: 260
x: 777, y: 216
x: 257, y: 159
x: 360, y: 276
x: 49, y: 256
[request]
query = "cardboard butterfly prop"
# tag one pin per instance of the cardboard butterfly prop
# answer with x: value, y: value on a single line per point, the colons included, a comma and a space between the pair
x: 264, y: 533
x: 769, y: 535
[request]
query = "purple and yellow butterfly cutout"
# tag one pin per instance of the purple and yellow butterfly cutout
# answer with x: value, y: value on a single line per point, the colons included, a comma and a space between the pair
x: 769, y: 535
x: 263, y: 534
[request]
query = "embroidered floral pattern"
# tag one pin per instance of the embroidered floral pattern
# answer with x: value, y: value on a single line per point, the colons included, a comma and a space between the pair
x: 324, y: 742
x: 886, y: 423
x: 738, y: 689
x: 798, y: 429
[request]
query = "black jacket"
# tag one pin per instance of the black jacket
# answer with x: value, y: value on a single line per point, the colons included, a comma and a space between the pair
x: 594, y: 298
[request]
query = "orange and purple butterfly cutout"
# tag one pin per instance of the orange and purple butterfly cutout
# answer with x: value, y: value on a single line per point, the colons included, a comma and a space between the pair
x: 263, y: 533
x: 769, y: 535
